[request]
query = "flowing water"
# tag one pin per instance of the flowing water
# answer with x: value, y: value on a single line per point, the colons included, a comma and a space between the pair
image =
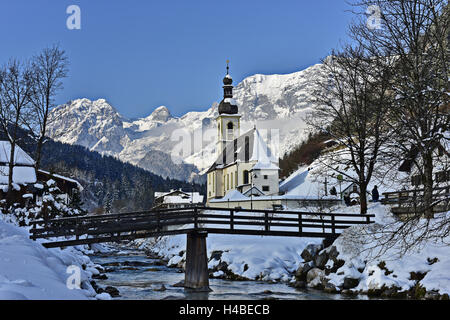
x: 138, y: 276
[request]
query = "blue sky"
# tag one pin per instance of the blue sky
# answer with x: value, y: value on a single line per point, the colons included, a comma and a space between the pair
x: 140, y: 54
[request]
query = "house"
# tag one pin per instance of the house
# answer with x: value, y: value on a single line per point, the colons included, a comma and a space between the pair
x: 177, y: 199
x: 67, y: 185
x: 244, y: 162
x: 441, y: 170
x: 353, y: 191
x: 24, y: 173
x: 27, y: 185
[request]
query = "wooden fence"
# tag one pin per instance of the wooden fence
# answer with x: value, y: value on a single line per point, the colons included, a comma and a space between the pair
x: 408, y: 201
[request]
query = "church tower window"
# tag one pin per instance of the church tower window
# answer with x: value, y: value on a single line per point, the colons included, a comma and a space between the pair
x: 246, y: 177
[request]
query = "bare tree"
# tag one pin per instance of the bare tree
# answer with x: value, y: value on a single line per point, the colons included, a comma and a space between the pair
x: 15, y: 90
x: 351, y: 107
x: 415, y: 33
x: 49, y: 69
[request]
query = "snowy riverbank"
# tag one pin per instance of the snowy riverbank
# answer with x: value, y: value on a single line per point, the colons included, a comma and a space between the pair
x: 352, y: 265
x: 28, y: 271
x: 234, y: 257
x: 361, y: 262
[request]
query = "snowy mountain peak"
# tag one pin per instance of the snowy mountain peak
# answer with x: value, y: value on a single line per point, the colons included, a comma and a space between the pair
x: 269, y: 101
x: 161, y: 114
x: 86, y: 106
x: 93, y: 124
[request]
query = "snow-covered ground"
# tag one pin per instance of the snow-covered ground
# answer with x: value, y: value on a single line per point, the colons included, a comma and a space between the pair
x: 252, y: 257
x: 28, y: 271
x: 277, y: 258
x: 378, y: 266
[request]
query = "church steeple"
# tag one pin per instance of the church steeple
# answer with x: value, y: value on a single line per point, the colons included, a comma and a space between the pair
x: 228, y: 105
x: 228, y: 121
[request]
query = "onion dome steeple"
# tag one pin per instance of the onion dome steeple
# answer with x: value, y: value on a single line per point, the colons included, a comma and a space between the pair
x: 228, y: 104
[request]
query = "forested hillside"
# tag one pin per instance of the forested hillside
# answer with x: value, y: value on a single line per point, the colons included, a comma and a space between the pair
x: 108, y: 183
x: 304, y: 154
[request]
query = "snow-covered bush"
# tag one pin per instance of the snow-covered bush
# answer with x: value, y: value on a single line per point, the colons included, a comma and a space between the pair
x: 52, y: 205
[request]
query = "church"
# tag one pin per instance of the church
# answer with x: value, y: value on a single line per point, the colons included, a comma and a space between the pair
x: 245, y: 167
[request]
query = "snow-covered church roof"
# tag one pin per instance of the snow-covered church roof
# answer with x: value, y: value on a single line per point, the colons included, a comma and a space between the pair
x: 232, y: 195
x: 249, y: 147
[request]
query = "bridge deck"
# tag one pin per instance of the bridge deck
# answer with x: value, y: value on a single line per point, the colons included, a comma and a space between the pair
x: 128, y: 226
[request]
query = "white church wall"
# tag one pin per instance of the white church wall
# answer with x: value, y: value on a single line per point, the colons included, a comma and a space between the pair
x: 266, y: 181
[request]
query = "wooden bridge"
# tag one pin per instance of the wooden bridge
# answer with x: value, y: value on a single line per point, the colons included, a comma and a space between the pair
x: 197, y: 223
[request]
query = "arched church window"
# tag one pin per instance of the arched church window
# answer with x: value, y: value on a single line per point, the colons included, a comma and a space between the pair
x: 230, y: 132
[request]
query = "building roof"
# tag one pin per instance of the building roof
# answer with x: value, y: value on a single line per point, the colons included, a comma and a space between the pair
x: 179, y: 196
x: 228, y: 106
x: 23, y: 171
x: 408, y: 163
x: 22, y: 175
x: 234, y: 195
x: 20, y: 156
x: 180, y: 199
x: 171, y: 192
x: 265, y: 166
x: 60, y: 177
x: 253, y: 191
x: 235, y: 151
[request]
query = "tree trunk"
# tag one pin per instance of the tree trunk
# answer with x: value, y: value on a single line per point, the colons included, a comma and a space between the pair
x: 363, y: 197
x: 10, y: 194
x: 38, y: 155
x: 428, y: 185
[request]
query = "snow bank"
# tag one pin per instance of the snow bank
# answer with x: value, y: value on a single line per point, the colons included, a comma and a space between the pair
x: 30, y: 271
x: 391, y: 267
x: 251, y: 257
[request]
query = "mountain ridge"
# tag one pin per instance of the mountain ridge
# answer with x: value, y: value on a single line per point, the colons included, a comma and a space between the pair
x: 267, y: 101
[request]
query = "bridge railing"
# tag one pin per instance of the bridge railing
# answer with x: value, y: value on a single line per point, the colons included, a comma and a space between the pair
x: 115, y: 227
x: 277, y: 222
x: 110, y: 224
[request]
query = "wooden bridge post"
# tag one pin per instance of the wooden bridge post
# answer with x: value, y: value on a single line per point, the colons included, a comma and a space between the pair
x: 333, y: 225
x: 266, y: 222
x: 77, y: 233
x: 232, y: 219
x: 158, y: 221
x: 196, y: 273
x: 300, y: 223
x: 195, y: 218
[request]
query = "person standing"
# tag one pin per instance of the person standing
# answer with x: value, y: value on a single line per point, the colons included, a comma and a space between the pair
x: 375, y: 194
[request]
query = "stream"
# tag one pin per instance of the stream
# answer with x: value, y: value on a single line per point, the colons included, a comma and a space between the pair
x: 139, y: 277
